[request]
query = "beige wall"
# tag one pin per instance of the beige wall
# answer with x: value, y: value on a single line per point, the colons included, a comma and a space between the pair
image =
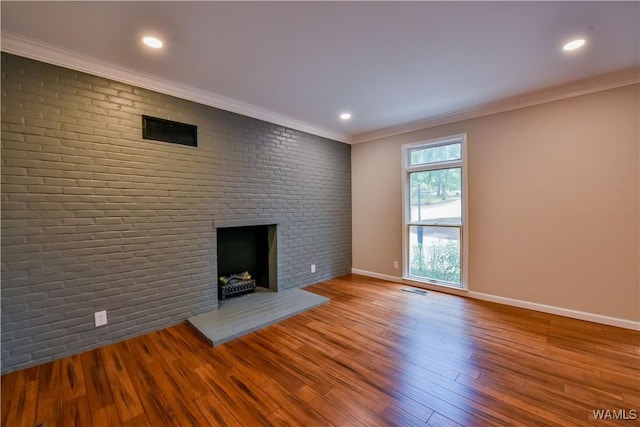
x: 553, y: 203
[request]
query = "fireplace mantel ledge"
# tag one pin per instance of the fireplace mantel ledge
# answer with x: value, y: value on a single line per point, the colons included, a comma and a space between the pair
x: 226, y: 223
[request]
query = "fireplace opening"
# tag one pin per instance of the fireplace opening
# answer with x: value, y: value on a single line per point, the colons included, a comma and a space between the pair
x: 246, y: 259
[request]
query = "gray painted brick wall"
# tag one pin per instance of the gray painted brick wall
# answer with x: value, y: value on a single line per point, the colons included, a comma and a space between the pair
x: 96, y: 218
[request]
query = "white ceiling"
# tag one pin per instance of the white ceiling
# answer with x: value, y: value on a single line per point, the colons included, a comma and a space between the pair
x: 387, y: 63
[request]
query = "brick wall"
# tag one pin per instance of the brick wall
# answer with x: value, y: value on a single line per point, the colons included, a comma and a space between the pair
x: 96, y: 218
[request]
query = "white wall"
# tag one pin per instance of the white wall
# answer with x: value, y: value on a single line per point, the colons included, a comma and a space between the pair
x: 553, y: 203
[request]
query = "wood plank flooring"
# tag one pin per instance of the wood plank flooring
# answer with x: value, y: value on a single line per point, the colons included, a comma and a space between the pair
x: 372, y: 356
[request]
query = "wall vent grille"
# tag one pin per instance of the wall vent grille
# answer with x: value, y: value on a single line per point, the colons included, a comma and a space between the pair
x: 169, y: 131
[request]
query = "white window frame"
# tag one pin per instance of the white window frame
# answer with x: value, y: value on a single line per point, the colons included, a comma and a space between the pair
x: 407, y: 168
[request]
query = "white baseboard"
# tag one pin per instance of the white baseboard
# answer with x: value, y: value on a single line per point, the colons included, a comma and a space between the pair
x: 396, y: 279
x: 560, y: 311
x: 377, y: 275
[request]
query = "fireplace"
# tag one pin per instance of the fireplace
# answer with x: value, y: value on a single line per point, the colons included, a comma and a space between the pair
x: 247, y: 257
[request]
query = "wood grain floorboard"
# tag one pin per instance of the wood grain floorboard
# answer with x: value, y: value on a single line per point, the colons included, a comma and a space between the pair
x: 372, y: 356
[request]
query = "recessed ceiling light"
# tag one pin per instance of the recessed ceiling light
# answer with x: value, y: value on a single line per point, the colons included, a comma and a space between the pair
x: 152, y: 42
x: 574, y: 44
x: 345, y: 116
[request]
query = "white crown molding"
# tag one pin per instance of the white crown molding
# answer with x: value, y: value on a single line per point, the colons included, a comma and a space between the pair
x: 22, y: 46
x: 586, y: 86
x: 560, y: 311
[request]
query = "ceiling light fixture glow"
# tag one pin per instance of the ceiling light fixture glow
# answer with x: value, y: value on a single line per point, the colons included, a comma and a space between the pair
x: 574, y: 44
x: 152, y: 42
x: 345, y: 116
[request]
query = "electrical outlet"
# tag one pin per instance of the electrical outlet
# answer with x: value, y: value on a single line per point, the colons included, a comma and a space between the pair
x: 313, y: 268
x: 395, y: 265
x: 101, y: 318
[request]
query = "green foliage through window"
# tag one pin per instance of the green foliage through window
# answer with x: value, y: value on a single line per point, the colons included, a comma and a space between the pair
x: 435, y: 186
x: 439, y: 260
x: 430, y: 191
x: 438, y: 154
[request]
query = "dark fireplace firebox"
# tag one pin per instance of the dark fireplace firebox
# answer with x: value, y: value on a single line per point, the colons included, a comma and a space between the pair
x: 246, y: 258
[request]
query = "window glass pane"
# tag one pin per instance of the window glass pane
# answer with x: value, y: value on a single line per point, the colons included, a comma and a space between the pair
x: 443, y: 153
x: 435, y: 196
x: 434, y: 253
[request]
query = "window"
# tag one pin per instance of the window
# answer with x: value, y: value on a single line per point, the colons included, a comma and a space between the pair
x: 434, y: 229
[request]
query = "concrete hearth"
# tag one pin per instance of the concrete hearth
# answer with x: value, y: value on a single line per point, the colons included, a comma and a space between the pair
x: 242, y: 315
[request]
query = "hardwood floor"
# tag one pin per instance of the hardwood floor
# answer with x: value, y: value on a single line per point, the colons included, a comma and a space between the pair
x: 372, y: 356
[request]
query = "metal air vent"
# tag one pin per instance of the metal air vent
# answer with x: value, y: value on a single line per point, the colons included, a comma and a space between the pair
x: 169, y: 131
